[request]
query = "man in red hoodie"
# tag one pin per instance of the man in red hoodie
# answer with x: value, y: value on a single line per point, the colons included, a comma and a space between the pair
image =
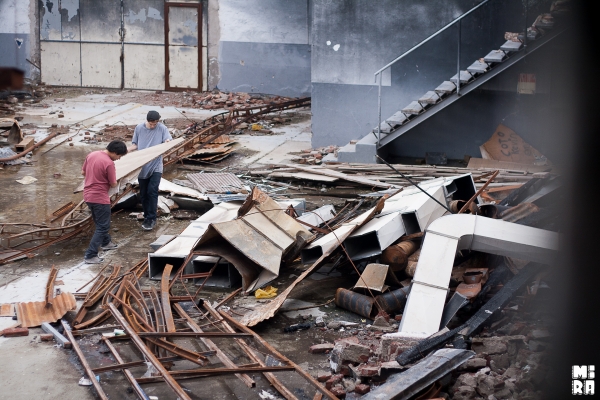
x: 100, y: 175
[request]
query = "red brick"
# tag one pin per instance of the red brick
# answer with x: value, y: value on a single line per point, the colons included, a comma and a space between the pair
x: 367, y: 370
x: 361, y: 388
x: 338, y: 391
x: 323, y: 376
x: 12, y: 332
x: 320, y: 348
x: 333, y: 380
x: 46, y: 337
x: 345, y: 370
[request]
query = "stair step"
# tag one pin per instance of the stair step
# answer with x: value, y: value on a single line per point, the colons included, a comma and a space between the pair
x: 414, y: 108
x: 465, y: 77
x: 478, y: 67
x: 446, y: 87
x: 532, y: 34
x: 544, y: 21
x: 384, y: 127
x: 495, y: 56
x: 430, y: 97
x: 511, y: 46
x: 399, y: 118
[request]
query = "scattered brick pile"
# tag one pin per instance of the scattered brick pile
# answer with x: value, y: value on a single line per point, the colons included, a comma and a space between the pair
x: 315, y: 156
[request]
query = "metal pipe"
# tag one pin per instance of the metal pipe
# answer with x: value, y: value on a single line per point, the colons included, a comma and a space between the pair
x: 27, y: 150
x: 379, y: 113
x: 429, y: 38
x: 525, y: 35
x: 458, y: 62
x: 393, y: 301
x: 356, y: 302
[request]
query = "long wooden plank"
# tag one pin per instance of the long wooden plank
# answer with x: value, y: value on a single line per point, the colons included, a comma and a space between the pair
x: 166, y: 304
x: 340, y: 175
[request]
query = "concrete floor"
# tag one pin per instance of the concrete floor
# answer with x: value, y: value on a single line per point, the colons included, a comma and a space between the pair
x: 39, y: 369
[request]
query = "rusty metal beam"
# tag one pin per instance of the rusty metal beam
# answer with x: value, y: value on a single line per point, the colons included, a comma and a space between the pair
x: 136, y: 386
x: 193, y: 334
x: 271, y: 349
x: 148, y: 354
x: 84, y: 362
x: 211, y: 345
x: 50, y: 286
x: 166, y: 304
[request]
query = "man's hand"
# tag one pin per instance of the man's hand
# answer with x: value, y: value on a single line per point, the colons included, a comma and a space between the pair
x: 133, y: 147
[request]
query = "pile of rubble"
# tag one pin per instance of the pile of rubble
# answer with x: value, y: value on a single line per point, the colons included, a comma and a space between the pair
x: 447, y: 265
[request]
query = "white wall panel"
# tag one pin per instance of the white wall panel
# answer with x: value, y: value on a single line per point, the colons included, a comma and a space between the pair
x: 144, y: 67
x: 100, y: 65
x: 60, y: 63
x: 183, y: 67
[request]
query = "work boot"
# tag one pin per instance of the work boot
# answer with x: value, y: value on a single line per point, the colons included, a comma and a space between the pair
x: 93, y: 260
x: 109, y: 246
x: 148, y: 225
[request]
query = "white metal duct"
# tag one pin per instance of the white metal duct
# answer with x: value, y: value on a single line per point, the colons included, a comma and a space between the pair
x: 446, y: 235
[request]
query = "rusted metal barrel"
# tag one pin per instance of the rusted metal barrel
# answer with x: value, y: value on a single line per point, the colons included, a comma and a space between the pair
x: 492, y: 210
x: 396, y: 255
x: 356, y: 302
x: 394, y: 301
x: 456, y: 205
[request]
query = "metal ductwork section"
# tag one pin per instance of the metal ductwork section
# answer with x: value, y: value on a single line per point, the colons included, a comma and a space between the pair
x: 444, y: 237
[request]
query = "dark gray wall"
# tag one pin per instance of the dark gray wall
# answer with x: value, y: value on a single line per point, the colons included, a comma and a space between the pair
x: 372, y: 34
x: 264, y: 46
x: 17, y: 30
x: 465, y: 125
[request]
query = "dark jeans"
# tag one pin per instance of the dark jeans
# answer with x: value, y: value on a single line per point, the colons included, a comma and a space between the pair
x: 101, y: 217
x: 149, y: 195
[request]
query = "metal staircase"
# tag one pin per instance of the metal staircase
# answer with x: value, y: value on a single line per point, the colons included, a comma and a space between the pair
x: 545, y: 28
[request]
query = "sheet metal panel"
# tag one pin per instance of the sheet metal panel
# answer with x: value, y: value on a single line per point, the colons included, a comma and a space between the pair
x: 219, y: 182
x: 144, y: 66
x: 101, y: 65
x: 60, y: 63
x: 183, y: 67
x: 50, y: 21
x: 183, y: 53
x: 144, y: 22
x: 35, y: 313
x: 100, y: 20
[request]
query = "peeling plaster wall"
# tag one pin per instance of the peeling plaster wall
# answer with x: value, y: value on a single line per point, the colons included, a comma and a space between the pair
x: 264, y: 47
x: 18, y: 36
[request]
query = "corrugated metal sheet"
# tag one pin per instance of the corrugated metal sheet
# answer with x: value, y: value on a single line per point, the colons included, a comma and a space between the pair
x: 7, y: 310
x: 218, y: 182
x: 35, y: 313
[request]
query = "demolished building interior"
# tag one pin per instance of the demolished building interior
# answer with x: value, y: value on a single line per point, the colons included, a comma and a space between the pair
x: 290, y: 262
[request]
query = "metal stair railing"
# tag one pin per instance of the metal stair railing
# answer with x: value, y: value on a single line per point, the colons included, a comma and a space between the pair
x: 457, y: 22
